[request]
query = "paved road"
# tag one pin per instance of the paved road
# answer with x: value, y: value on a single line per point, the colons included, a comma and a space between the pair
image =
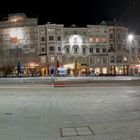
x: 37, y: 112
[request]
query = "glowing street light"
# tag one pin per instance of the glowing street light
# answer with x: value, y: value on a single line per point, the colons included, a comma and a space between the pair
x: 130, y: 37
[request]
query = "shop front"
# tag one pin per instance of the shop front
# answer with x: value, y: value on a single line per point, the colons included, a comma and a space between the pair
x: 134, y: 70
x: 119, y: 70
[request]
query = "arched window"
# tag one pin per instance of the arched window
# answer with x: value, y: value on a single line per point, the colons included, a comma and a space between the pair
x: 125, y: 59
x: 75, y: 49
x: 133, y: 59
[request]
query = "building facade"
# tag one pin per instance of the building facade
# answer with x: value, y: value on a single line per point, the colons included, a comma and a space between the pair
x: 102, y: 49
x: 134, y: 55
x: 18, y: 44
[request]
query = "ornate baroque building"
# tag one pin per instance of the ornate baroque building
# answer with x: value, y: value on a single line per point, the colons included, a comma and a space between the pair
x: 102, y: 49
x: 43, y: 49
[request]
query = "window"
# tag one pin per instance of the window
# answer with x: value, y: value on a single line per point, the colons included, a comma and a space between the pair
x: 112, y: 59
x: 119, y: 36
x: 133, y: 59
x: 97, y: 50
x: 91, y: 39
x: 91, y: 50
x: 111, y: 36
x: 59, y: 48
x: 42, y: 31
x: 90, y: 60
x: 75, y: 50
x: 50, y: 30
x: 104, y: 60
x: 84, y: 50
x: 103, y: 40
x: 13, y: 39
x: 97, y: 39
x: 104, y: 50
x: 51, y: 38
x: 42, y: 38
x: 67, y: 50
x: 75, y: 40
x: 43, y: 59
x: 59, y: 38
x: 125, y: 59
x: 119, y: 58
x: 52, y: 59
x: 97, y: 60
x: 42, y: 49
x: 97, y: 29
x: 75, y: 32
x: 51, y: 48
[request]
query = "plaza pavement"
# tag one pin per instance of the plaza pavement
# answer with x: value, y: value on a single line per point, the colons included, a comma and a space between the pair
x: 37, y: 112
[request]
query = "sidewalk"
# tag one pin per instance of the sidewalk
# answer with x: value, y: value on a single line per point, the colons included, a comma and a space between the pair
x: 50, y: 80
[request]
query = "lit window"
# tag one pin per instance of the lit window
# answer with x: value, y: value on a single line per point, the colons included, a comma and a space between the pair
x: 75, y: 40
x: 125, y: 59
x: 97, y: 39
x: 103, y: 40
x: 13, y: 40
x: 52, y: 59
x: 97, y: 29
x: 43, y: 59
x: 91, y: 40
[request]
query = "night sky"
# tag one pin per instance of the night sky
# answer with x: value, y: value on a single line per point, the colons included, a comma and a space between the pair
x: 79, y: 12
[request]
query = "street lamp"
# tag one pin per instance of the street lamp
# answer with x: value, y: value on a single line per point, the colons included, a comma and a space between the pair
x: 130, y: 37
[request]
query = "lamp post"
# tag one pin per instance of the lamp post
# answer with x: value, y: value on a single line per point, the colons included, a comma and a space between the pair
x: 130, y: 39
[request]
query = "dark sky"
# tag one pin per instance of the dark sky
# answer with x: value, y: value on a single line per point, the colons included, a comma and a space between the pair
x: 79, y: 12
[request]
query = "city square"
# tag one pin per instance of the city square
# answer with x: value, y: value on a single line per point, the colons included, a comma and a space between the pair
x: 93, y: 112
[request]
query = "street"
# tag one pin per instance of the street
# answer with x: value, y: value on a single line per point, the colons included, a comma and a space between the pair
x: 37, y: 112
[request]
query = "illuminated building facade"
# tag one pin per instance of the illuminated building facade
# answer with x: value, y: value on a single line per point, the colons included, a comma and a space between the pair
x: 101, y: 49
x: 18, y: 44
x: 134, y: 56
